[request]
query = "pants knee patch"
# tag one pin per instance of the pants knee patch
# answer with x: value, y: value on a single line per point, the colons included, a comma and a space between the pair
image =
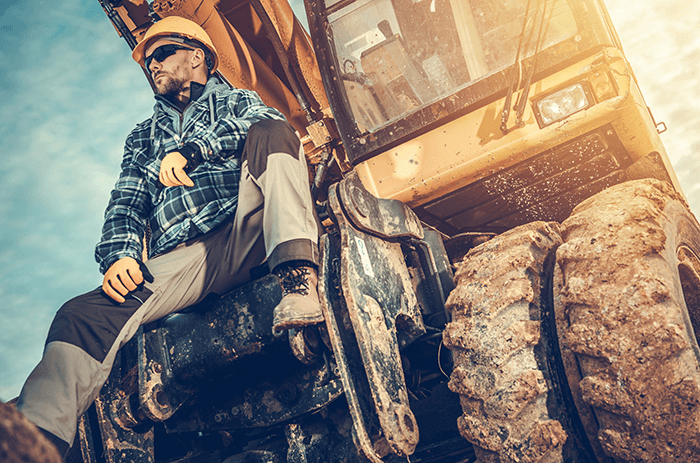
x: 268, y: 137
x: 93, y: 321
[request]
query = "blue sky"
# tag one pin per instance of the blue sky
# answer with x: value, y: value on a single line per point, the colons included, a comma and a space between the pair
x: 69, y: 95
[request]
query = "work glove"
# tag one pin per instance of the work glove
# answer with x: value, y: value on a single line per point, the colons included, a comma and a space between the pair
x: 123, y: 277
x: 172, y: 170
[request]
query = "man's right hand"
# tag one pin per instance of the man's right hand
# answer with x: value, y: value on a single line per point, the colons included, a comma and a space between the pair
x: 172, y: 170
x: 121, y: 278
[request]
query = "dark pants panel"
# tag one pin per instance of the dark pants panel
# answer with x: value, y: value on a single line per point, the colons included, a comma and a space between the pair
x: 93, y: 321
x: 259, y: 144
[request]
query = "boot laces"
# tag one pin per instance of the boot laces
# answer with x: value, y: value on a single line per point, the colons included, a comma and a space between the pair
x: 294, y: 280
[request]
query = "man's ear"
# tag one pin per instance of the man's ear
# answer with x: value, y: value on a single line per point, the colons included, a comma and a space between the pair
x: 197, y: 58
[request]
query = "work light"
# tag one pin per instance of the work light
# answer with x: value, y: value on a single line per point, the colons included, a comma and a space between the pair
x: 562, y: 104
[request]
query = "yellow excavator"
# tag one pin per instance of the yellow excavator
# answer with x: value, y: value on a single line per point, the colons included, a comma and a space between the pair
x: 509, y: 271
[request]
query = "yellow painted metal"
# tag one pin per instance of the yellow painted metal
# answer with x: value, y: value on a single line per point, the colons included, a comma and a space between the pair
x: 473, y: 147
x: 299, y: 50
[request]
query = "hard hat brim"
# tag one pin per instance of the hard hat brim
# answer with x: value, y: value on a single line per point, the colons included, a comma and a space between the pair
x: 180, y: 28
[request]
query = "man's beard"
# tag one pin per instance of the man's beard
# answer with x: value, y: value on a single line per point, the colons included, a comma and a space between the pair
x: 171, y: 86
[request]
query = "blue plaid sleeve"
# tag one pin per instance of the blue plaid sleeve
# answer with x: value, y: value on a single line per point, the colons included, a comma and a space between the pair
x: 227, y: 136
x: 126, y: 213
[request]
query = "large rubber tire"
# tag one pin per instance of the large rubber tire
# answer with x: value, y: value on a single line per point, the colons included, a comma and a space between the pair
x: 494, y: 334
x: 629, y: 293
x: 21, y: 441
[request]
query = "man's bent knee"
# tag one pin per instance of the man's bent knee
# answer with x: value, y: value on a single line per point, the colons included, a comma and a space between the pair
x: 92, y: 322
x: 269, y: 137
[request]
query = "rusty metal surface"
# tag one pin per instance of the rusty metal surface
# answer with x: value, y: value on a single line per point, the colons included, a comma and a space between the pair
x: 377, y: 290
x: 272, y: 394
x: 159, y: 395
x: 385, y: 218
x: 119, y: 444
x: 345, y: 350
x: 204, y: 344
x: 201, y: 355
x: 261, y: 390
x: 319, y: 133
x: 434, y: 281
x: 306, y: 344
x: 85, y: 439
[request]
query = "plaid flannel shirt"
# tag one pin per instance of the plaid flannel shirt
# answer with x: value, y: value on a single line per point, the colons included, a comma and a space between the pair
x: 176, y: 214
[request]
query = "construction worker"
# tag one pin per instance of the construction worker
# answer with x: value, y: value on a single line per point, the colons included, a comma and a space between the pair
x: 220, y: 179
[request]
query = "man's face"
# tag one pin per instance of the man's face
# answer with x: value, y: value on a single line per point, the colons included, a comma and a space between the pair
x: 174, y: 73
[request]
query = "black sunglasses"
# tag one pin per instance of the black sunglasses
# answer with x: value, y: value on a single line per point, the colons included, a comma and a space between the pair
x: 162, y: 52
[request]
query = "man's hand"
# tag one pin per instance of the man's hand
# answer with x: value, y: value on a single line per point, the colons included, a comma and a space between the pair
x: 121, y: 278
x: 172, y: 170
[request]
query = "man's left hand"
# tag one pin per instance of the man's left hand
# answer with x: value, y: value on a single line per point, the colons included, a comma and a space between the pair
x: 172, y: 171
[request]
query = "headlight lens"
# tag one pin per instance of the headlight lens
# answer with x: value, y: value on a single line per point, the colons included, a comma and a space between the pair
x: 562, y: 104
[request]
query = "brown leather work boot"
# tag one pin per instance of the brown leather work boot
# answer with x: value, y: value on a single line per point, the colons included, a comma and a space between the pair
x: 299, y: 306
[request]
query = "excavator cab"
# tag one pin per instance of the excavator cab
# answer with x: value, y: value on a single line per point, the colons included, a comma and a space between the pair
x: 398, y: 57
x: 477, y: 113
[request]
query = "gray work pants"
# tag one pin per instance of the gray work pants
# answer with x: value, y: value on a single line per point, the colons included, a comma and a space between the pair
x: 275, y: 221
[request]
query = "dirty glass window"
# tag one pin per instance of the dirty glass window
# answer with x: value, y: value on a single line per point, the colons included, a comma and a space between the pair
x: 397, y: 56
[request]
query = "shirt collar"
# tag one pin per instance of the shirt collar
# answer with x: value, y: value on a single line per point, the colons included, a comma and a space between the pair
x: 196, y: 91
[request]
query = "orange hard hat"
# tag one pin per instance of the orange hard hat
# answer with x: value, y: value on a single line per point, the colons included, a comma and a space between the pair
x: 179, y: 30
